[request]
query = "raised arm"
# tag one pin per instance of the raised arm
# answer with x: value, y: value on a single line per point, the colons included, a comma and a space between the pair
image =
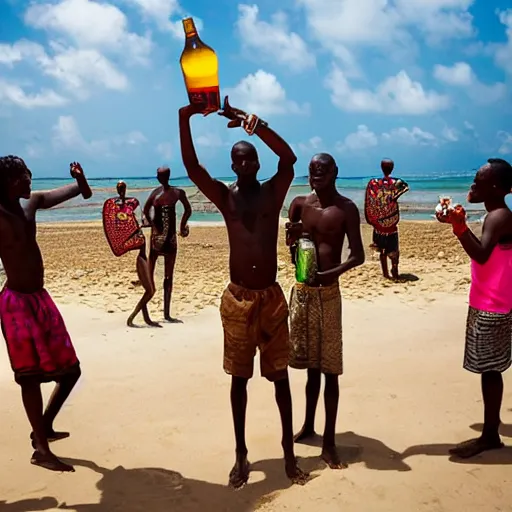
x: 187, y: 212
x: 356, y: 256
x: 213, y: 189
x: 51, y: 198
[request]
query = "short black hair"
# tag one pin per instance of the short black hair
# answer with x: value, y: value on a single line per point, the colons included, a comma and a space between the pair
x: 11, y: 166
x: 245, y: 146
x: 502, y: 171
x: 325, y: 158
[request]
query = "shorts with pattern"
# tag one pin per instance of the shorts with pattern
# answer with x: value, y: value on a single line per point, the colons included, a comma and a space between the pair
x: 315, y: 328
x: 255, y: 319
x: 488, y: 341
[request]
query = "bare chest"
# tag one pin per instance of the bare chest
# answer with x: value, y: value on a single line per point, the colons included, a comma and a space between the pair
x: 328, y: 221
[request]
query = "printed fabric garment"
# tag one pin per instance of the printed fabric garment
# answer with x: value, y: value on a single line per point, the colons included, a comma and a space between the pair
x: 316, y: 339
x: 255, y: 319
x: 386, y: 243
x: 488, y: 341
x: 120, y: 225
x: 37, y: 340
x: 381, y: 206
x: 163, y: 240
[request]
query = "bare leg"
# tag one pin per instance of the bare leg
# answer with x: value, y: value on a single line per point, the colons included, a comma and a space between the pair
x: 239, y: 475
x: 312, y: 394
x: 33, y: 403
x: 284, y: 402
x: 170, y: 260
x: 384, y: 264
x: 394, y: 257
x: 492, y: 392
x: 143, y: 271
x: 331, y: 399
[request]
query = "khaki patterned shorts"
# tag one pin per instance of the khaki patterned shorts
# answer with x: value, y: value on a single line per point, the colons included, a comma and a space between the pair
x: 315, y: 328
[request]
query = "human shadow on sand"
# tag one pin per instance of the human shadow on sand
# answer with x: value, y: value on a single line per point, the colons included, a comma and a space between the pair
x: 407, y: 278
x: 164, y: 490
x: 33, y: 504
x: 374, y: 454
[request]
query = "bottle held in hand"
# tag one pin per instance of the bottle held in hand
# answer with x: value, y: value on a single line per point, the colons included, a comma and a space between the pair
x: 306, y: 264
x: 200, y: 68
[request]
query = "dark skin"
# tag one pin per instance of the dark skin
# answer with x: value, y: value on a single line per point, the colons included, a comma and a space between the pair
x: 166, y: 195
x: 387, y: 167
x: 23, y: 265
x: 251, y: 211
x: 143, y: 274
x: 497, y: 229
x: 327, y: 217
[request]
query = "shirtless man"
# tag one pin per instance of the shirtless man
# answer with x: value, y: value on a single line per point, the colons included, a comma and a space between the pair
x: 489, y: 322
x: 39, y: 346
x: 163, y: 230
x: 253, y: 308
x: 325, y: 217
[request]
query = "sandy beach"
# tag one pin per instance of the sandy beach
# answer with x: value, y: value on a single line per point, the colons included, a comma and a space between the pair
x: 151, y: 422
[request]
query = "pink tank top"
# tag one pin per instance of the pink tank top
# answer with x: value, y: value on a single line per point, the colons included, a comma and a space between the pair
x: 491, y: 283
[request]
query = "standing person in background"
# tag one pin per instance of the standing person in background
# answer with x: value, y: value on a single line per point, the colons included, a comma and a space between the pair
x: 315, y: 308
x: 253, y: 307
x: 38, y: 342
x: 383, y: 214
x: 489, y: 321
x: 163, y: 230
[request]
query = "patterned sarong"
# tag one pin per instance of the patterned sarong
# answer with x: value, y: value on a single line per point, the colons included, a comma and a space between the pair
x: 37, y: 340
x: 488, y: 341
x: 315, y: 328
x: 120, y: 225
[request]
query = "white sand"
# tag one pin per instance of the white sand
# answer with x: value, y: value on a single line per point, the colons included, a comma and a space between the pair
x: 158, y: 398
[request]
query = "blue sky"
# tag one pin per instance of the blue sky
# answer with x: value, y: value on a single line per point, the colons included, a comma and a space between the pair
x: 425, y: 82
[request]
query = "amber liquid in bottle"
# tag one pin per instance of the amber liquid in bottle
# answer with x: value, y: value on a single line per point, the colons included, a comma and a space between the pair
x: 200, y: 70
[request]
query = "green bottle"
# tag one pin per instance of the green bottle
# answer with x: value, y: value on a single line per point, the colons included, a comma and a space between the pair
x: 305, y: 258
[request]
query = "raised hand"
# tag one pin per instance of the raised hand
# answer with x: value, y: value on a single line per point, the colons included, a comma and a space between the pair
x: 192, y: 109
x: 76, y: 171
x: 235, y: 115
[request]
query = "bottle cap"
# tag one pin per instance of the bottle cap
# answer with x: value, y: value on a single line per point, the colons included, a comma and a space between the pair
x: 189, y: 26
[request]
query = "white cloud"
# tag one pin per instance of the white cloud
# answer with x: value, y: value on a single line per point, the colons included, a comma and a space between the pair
x: 210, y: 140
x: 260, y: 93
x: 363, y: 138
x: 342, y: 25
x: 450, y: 134
x: 165, y: 150
x: 314, y: 144
x: 503, y: 53
x: 462, y: 75
x: 459, y: 74
x: 273, y: 41
x: 395, y: 95
x: 414, y: 137
x: 90, y: 25
x: 67, y: 135
x: 505, y: 139
x: 14, y: 94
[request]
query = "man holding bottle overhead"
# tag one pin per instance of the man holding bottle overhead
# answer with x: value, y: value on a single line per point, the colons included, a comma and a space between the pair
x: 324, y: 217
x: 253, y: 308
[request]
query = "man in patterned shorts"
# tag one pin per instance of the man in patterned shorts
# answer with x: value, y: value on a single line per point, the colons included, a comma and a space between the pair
x: 489, y: 321
x: 315, y: 311
x: 38, y: 343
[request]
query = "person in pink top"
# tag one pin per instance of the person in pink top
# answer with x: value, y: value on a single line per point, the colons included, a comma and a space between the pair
x: 489, y: 322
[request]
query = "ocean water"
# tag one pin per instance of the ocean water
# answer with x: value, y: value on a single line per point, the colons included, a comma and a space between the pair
x: 418, y: 203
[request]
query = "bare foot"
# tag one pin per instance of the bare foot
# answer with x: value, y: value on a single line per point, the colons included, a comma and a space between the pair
x: 51, y: 462
x: 304, y: 434
x: 172, y: 320
x: 153, y: 324
x: 473, y: 447
x: 239, y: 475
x: 294, y: 473
x: 331, y: 458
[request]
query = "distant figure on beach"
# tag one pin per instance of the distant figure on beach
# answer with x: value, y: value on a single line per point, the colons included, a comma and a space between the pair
x: 163, y: 230
x: 383, y: 214
x: 325, y: 217
x: 489, y: 321
x: 124, y: 234
x: 253, y: 307
x: 38, y: 343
